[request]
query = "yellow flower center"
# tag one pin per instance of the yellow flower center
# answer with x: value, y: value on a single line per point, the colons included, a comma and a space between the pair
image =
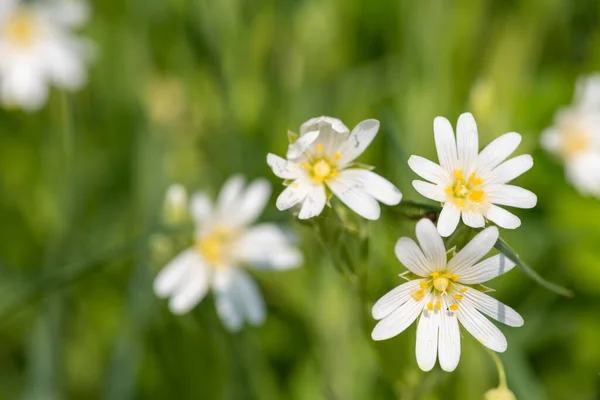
x: 21, y: 29
x: 574, y: 141
x: 465, y: 192
x: 215, y: 247
x: 439, y: 284
x: 321, y: 168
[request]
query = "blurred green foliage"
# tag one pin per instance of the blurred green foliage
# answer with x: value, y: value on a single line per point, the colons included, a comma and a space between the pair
x: 192, y: 91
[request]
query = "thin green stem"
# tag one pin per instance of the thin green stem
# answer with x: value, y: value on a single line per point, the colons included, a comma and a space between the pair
x: 501, y: 374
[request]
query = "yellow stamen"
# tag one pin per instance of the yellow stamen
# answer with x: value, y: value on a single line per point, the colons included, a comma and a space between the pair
x: 438, y: 305
x: 319, y: 147
x: 476, y: 196
x: 430, y: 306
x: 418, y: 295
x: 337, y: 155
x: 295, y: 185
x: 334, y: 174
x: 457, y: 296
x: 454, y: 278
x: 458, y: 175
x: 449, y: 190
x: 306, y: 165
x: 475, y: 180
x: 463, y: 290
x: 454, y: 307
x: 423, y: 284
x: 435, y: 274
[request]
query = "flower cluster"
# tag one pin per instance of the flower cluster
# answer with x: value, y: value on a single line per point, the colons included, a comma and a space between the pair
x: 575, y: 137
x: 37, y: 49
x: 442, y: 291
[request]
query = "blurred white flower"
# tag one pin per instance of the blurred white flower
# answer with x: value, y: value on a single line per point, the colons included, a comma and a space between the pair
x: 575, y: 137
x: 224, y: 243
x: 37, y: 49
x: 321, y: 162
x: 470, y: 183
x: 443, y: 297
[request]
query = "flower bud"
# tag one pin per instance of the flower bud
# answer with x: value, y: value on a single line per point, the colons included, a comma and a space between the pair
x: 500, y: 393
x: 176, y: 200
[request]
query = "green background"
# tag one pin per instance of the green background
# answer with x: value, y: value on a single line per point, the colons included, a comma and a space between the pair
x: 193, y: 91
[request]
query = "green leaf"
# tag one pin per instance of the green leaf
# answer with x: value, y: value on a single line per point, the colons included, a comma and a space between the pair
x: 505, y: 249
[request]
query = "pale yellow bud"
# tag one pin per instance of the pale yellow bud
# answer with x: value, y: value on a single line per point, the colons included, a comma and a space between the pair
x: 501, y: 393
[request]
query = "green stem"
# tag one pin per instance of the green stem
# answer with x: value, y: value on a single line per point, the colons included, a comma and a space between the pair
x: 501, y: 374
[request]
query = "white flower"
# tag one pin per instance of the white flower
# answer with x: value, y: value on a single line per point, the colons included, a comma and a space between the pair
x: 575, y: 137
x: 224, y: 243
x: 37, y: 49
x: 443, y: 297
x: 321, y: 160
x: 470, y: 183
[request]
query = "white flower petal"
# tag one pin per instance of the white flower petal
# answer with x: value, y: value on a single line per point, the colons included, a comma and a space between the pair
x: 431, y: 243
x: 69, y: 13
x: 252, y: 203
x: 449, y: 340
x: 237, y: 299
x: 481, y: 328
x: 314, y: 202
x: 201, y: 208
x: 492, y: 307
x: 400, y: 319
x: 394, y: 299
x: 496, y: 152
x: 297, y: 149
x: 429, y: 170
x: 509, y: 170
x: 429, y: 190
x: 250, y: 298
x: 584, y: 173
x: 427, y: 339
x: 411, y: 256
x: 175, y: 272
x: 267, y: 247
x: 448, y: 220
x: 319, y: 123
x: 360, y: 138
x: 231, y: 191
x: 473, y: 219
x: 375, y: 185
x: 475, y: 250
x: 293, y: 194
x: 502, y: 218
x: 283, y: 168
x: 509, y: 195
x: 354, y: 195
x: 445, y: 143
x: 191, y: 292
x: 467, y: 142
x: 485, y: 270
x: 550, y: 140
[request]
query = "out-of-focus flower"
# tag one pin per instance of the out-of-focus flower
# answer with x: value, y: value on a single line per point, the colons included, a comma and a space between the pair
x: 321, y: 162
x: 575, y: 137
x: 441, y: 293
x: 165, y: 101
x: 37, y: 49
x: 470, y: 183
x: 224, y: 244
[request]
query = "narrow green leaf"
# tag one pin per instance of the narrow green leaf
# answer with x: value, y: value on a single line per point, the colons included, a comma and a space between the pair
x: 505, y: 249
